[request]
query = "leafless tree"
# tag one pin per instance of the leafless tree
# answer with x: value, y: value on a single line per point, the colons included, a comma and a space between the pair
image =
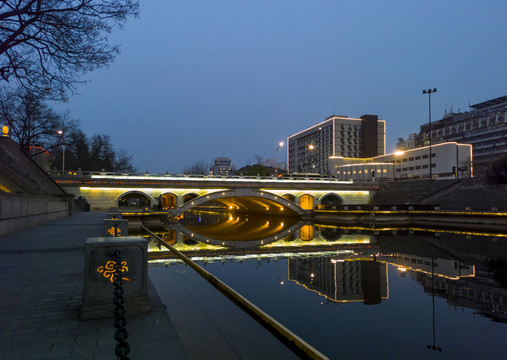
x: 47, y: 45
x: 32, y: 122
x: 199, y: 168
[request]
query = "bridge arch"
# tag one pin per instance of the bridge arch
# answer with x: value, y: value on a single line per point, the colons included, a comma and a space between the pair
x: 168, y: 200
x: 331, y: 234
x: 285, y: 233
x: 135, y: 199
x: 306, y: 201
x: 331, y: 199
x: 290, y: 197
x: 189, y: 196
x: 243, y: 199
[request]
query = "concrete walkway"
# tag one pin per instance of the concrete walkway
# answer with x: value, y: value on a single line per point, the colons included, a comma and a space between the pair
x: 41, y: 287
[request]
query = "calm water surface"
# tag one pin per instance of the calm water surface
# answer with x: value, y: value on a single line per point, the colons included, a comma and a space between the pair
x: 350, y: 292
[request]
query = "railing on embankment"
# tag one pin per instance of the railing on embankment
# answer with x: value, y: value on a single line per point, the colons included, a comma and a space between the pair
x: 435, y: 218
x: 291, y: 340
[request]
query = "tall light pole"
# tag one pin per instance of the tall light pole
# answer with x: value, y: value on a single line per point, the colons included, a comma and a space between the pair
x: 60, y: 133
x: 280, y: 144
x: 429, y: 92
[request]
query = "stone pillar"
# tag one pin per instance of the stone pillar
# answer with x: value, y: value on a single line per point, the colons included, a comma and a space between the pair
x: 98, y: 276
x: 179, y: 201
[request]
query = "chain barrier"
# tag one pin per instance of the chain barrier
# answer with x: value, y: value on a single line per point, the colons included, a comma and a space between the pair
x: 122, y: 347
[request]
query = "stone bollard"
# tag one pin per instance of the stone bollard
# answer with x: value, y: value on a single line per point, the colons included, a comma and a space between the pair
x: 115, y: 227
x: 98, y: 276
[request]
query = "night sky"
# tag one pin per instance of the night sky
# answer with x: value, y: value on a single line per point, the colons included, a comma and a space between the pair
x: 198, y: 79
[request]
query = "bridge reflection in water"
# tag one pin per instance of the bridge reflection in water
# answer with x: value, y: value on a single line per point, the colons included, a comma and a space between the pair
x: 331, y: 265
x: 342, y: 264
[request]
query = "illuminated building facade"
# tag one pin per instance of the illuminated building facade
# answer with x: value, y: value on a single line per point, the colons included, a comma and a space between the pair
x: 222, y: 166
x: 308, y: 151
x: 449, y: 160
x: 484, y: 127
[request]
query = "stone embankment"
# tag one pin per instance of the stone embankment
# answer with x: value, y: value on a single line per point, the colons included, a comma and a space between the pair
x: 464, y: 194
x: 28, y: 197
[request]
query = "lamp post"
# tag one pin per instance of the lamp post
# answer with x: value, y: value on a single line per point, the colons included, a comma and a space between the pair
x: 280, y: 144
x: 429, y: 92
x: 60, y: 133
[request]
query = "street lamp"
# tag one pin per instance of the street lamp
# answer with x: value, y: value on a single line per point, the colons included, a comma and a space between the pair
x: 429, y: 92
x: 280, y: 144
x: 60, y: 133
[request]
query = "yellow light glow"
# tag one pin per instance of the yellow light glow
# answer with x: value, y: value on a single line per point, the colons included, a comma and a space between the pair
x: 398, y: 153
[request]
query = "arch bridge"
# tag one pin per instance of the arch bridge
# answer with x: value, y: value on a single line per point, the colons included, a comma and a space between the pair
x: 179, y: 193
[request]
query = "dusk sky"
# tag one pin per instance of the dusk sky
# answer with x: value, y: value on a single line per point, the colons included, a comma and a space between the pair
x: 200, y: 79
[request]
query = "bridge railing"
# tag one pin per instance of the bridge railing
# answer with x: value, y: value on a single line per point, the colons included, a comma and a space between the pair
x: 59, y: 174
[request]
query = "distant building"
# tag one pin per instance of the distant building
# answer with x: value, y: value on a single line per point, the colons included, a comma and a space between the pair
x: 449, y: 160
x: 222, y: 166
x: 484, y: 127
x: 309, y: 150
x: 403, y: 144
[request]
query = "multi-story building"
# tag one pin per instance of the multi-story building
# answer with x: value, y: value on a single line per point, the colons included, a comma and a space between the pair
x: 308, y: 150
x: 484, y: 127
x: 448, y: 160
x: 222, y: 166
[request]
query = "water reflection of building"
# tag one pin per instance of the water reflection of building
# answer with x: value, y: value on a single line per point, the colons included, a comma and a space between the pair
x: 450, y: 268
x: 340, y: 280
x: 483, y: 295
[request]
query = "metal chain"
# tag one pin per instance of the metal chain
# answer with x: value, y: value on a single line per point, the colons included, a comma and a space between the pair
x: 122, y: 347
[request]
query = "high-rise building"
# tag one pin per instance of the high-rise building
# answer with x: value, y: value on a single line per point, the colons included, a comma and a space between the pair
x: 308, y: 150
x: 484, y: 127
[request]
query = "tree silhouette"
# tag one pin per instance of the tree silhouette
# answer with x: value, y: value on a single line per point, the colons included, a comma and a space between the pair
x: 47, y: 45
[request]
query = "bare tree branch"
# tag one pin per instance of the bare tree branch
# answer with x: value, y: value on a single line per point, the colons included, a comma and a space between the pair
x: 47, y: 45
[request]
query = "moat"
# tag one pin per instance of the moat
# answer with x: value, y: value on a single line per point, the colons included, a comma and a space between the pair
x: 348, y: 291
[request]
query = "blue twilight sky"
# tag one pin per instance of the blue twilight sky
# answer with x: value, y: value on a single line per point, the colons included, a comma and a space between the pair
x: 198, y: 79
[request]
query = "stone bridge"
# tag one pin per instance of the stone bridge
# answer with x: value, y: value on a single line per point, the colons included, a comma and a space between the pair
x: 179, y: 193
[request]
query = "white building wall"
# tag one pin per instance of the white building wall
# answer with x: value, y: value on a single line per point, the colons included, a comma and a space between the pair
x: 413, y: 163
